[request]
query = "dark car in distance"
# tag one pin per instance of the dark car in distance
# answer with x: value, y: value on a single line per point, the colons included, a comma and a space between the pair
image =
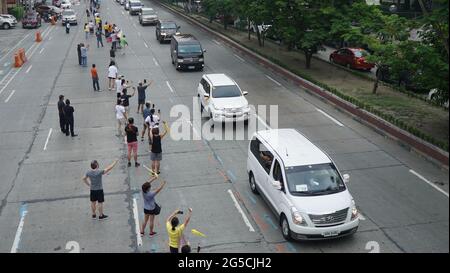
x: 187, y: 52
x: 351, y: 58
x: 165, y: 30
x: 31, y: 20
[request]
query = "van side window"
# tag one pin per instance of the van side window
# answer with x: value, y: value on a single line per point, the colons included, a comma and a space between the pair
x: 264, y: 156
x: 207, y: 87
x: 277, y: 174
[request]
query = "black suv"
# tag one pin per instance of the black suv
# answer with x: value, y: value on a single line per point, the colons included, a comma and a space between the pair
x: 165, y: 30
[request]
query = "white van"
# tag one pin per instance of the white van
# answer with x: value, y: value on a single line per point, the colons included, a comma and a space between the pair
x: 302, y: 186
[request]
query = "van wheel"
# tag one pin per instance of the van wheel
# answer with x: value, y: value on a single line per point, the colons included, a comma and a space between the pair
x: 251, y: 180
x: 285, y: 229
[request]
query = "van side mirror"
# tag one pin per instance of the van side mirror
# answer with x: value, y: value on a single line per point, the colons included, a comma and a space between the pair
x: 346, y: 178
x: 206, y: 95
x: 245, y: 93
x: 204, y: 50
x: 276, y: 185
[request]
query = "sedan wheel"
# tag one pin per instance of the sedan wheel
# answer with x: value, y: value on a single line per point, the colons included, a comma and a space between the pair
x: 285, y: 230
x: 6, y: 26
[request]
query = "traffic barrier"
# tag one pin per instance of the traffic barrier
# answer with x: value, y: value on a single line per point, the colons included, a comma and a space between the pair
x: 22, y: 55
x: 38, y: 36
x: 17, y: 60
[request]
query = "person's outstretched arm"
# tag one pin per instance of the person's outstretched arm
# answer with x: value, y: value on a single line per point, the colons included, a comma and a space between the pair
x: 160, y: 187
x: 166, y: 129
x: 175, y: 212
x: 110, y: 167
x: 188, y: 218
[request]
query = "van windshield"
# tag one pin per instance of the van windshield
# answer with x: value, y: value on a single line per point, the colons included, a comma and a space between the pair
x: 226, y: 91
x: 188, y: 49
x: 313, y: 180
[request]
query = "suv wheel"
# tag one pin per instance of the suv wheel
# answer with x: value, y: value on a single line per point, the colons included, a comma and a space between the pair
x: 285, y: 229
x: 6, y: 26
x: 251, y: 180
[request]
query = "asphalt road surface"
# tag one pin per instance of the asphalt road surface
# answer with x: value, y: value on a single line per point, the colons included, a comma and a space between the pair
x: 45, y: 206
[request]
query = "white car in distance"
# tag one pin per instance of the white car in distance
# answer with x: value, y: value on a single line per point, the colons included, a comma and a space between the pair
x: 65, y: 4
x: 222, y: 99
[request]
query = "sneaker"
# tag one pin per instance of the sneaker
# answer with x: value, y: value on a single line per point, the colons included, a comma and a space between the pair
x: 142, y: 234
x: 152, y: 234
x: 137, y: 164
x: 94, y: 216
x: 103, y: 217
x: 129, y: 164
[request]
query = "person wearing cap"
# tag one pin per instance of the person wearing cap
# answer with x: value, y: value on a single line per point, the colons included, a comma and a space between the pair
x: 141, y: 95
x: 93, y: 179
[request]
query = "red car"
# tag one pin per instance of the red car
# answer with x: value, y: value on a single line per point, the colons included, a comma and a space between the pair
x: 351, y: 58
x: 31, y: 20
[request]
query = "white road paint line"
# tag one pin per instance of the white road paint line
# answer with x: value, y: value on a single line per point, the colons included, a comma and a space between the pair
x: 217, y: 42
x: 42, y: 49
x: 10, y: 95
x: 145, y: 44
x: 6, y: 64
x: 48, y: 138
x: 263, y: 122
x: 23, y: 213
x: 428, y: 182
x: 139, y: 34
x: 136, y: 222
x: 238, y: 207
x: 270, y: 78
x: 29, y: 68
x: 237, y: 56
x: 14, y: 47
x: 170, y: 87
x: 9, y: 81
x: 156, y: 62
x: 330, y: 117
x: 11, y: 71
x: 50, y: 38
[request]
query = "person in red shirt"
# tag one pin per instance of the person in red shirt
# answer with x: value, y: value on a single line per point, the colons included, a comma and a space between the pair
x: 95, y: 78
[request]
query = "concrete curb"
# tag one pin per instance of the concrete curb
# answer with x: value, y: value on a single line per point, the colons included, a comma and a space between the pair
x: 416, y: 144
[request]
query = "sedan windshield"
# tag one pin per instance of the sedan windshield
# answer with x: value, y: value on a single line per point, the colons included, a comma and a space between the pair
x: 135, y: 4
x: 187, y: 49
x: 168, y: 26
x: 360, y: 53
x: 68, y: 13
x: 227, y: 91
x: 320, y: 179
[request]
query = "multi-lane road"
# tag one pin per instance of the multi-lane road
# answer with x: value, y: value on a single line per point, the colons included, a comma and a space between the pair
x: 45, y: 206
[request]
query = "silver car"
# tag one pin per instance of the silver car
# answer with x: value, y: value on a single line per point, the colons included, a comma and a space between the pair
x: 135, y: 6
x: 7, y: 21
x: 148, y: 16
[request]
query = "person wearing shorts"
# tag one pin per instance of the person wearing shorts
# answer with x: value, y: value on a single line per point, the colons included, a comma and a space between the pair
x: 132, y: 134
x: 141, y: 95
x: 156, y: 148
x: 93, y: 179
x: 112, y: 75
x: 121, y: 117
x: 150, y: 206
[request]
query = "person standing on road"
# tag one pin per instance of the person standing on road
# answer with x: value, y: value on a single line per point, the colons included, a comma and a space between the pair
x: 118, y: 83
x: 123, y: 44
x: 86, y: 30
x: 112, y: 75
x: 68, y: 114
x: 175, y: 231
x: 126, y: 98
x: 94, y: 75
x: 141, y: 95
x: 151, y: 209
x: 145, y: 114
x: 132, y: 143
x: 98, y: 34
x: 62, y: 118
x: 112, y: 54
x: 156, y: 148
x: 79, y: 53
x: 84, y: 50
x: 96, y: 186
x: 121, y: 117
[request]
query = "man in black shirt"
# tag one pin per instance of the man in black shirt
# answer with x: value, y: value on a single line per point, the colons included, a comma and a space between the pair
x: 132, y: 133
x: 62, y: 119
x: 68, y: 112
x: 126, y: 99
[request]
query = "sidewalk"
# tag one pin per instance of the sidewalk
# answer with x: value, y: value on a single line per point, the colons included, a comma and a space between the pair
x: 415, y: 113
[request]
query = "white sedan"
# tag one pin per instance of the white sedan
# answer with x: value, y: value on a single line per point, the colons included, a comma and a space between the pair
x: 65, y: 4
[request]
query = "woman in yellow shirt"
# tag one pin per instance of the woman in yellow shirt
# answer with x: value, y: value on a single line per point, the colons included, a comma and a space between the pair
x: 175, y: 231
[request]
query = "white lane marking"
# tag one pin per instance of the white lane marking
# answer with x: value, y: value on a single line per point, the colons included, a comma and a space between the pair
x: 145, y: 44
x: 11, y: 71
x: 217, y: 42
x: 6, y: 64
x: 428, y: 182
x: 42, y: 49
x: 136, y: 222
x: 170, y: 87
x: 48, y: 138
x: 270, y: 78
x: 237, y: 56
x: 139, y: 34
x: 23, y: 213
x: 263, y: 122
x: 50, y: 38
x: 9, y: 51
x: 238, y: 207
x: 29, y: 68
x: 330, y: 117
x: 9, y: 81
x: 10, y: 95
x: 156, y: 62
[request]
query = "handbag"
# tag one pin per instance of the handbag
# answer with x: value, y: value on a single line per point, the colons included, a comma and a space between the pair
x: 157, y: 209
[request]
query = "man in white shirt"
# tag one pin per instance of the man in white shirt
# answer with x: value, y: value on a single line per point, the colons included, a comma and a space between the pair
x: 119, y: 87
x: 112, y: 75
x: 121, y: 117
x: 152, y: 121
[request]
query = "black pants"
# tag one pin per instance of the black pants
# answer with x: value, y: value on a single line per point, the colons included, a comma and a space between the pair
x: 79, y: 59
x: 62, y: 122
x: 95, y: 84
x: 69, y: 125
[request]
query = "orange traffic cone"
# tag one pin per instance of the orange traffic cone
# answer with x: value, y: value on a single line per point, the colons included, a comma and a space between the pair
x: 22, y: 55
x: 17, y: 60
x: 38, y: 36
x: 53, y: 20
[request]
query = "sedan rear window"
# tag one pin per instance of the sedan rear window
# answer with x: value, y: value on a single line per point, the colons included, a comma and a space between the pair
x: 68, y: 12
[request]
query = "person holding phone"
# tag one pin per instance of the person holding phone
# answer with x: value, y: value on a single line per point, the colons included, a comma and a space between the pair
x: 151, y: 208
x: 175, y: 230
